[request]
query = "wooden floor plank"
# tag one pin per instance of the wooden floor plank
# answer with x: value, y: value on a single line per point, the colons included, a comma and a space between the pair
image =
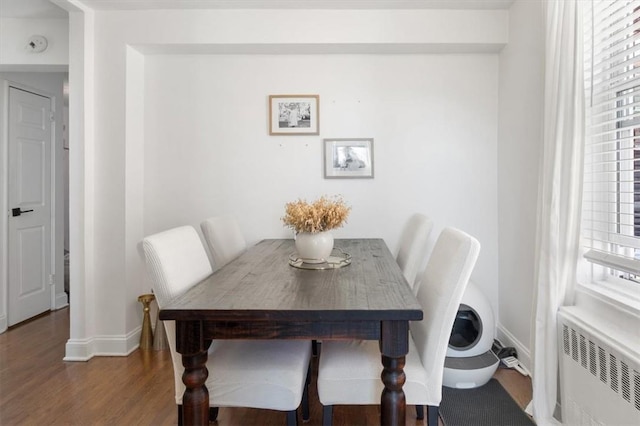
x: 38, y: 388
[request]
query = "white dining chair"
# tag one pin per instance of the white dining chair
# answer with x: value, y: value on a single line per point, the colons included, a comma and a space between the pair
x: 266, y: 374
x: 224, y: 239
x: 412, y: 250
x: 349, y: 371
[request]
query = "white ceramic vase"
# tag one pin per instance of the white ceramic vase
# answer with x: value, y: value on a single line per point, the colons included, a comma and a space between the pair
x: 314, y: 247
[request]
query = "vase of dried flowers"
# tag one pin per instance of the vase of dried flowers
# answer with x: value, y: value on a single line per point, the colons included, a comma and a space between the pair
x: 311, y: 223
x: 314, y: 248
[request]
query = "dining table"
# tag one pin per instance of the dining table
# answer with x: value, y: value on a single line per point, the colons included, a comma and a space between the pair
x: 267, y: 293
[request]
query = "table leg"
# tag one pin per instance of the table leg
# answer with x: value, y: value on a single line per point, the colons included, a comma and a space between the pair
x: 394, y: 345
x: 195, y: 401
x: 190, y: 342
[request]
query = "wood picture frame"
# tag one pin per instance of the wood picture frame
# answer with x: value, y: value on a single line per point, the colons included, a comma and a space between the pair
x: 294, y: 114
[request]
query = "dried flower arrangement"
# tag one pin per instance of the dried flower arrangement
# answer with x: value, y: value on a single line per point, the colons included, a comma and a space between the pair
x: 323, y: 214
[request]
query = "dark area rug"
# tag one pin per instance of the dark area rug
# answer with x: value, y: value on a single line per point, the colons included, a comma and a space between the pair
x: 488, y: 405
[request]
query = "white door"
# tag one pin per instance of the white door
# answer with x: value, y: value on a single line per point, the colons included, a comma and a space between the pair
x: 29, y: 205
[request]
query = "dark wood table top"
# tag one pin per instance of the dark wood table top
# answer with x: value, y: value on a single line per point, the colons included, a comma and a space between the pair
x: 260, y: 285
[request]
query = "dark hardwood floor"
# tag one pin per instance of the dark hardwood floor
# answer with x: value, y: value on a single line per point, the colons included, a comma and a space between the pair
x: 38, y: 388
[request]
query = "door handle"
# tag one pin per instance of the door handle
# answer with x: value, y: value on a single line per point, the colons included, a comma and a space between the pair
x: 18, y: 211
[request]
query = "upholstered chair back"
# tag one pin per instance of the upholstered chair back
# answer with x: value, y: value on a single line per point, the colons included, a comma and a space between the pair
x: 176, y: 261
x: 413, y: 247
x: 224, y: 239
x: 442, y: 286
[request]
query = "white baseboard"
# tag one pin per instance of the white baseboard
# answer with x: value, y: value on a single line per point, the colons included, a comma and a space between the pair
x: 78, y: 350
x: 62, y: 301
x: 85, y: 349
x: 508, y: 339
x: 4, y: 324
x: 118, y: 345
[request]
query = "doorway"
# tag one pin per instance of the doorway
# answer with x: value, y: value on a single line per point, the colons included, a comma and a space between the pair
x: 30, y: 143
x: 54, y: 86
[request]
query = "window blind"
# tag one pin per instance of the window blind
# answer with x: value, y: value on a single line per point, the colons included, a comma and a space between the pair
x: 611, y: 201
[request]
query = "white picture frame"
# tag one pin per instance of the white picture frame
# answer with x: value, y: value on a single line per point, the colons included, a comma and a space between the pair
x: 346, y: 158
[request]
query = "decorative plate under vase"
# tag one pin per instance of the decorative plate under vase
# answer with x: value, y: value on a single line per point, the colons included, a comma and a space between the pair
x: 338, y: 259
x: 314, y: 247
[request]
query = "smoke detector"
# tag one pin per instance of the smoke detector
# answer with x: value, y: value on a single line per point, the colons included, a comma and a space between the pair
x: 37, y: 44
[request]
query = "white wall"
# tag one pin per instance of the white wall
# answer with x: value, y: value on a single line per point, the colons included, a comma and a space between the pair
x: 52, y: 84
x: 14, y: 35
x: 118, y: 175
x: 519, y: 151
x: 433, y: 121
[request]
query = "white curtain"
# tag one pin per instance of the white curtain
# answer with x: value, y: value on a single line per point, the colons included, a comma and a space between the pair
x: 559, y: 194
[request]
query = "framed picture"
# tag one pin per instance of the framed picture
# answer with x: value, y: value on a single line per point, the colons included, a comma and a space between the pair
x: 348, y: 158
x: 294, y: 115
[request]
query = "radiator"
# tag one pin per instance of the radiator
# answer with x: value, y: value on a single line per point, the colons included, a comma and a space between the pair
x: 599, y: 370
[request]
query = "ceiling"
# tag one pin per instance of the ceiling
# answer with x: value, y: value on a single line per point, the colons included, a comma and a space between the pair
x: 46, y: 9
x: 30, y: 9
